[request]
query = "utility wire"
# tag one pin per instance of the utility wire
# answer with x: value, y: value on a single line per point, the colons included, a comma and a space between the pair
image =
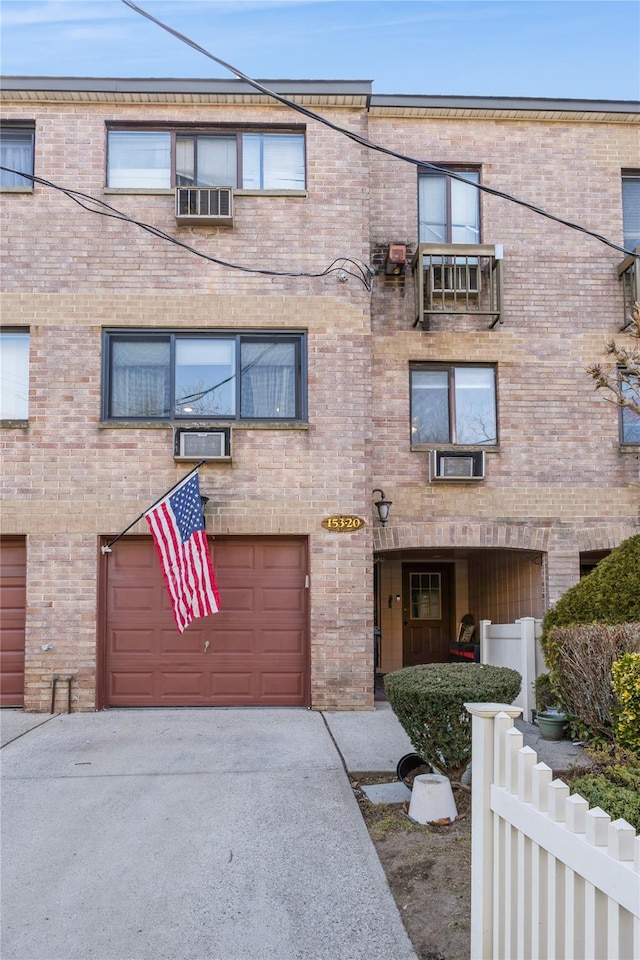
x: 343, y: 266
x: 363, y: 141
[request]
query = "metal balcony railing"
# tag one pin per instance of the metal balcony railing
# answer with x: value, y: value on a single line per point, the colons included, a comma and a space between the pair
x: 629, y: 275
x: 458, y: 278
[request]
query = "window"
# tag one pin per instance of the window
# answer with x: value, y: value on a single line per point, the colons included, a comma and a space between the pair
x: 160, y: 159
x: 203, y: 376
x: 449, y: 210
x: 629, y: 419
x: 426, y: 596
x: 16, y: 153
x: 453, y: 404
x: 631, y: 209
x: 14, y: 375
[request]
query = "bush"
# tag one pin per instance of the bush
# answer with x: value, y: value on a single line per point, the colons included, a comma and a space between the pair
x: 614, y: 784
x: 609, y: 594
x: 545, y: 695
x: 429, y: 701
x: 580, y: 659
x: 625, y: 674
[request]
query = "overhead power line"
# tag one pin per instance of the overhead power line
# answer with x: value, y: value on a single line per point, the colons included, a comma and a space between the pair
x: 363, y: 141
x: 342, y: 266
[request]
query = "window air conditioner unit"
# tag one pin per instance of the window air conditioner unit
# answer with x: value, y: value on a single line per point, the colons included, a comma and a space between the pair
x: 456, y: 278
x: 454, y: 465
x: 194, y: 443
x: 205, y: 206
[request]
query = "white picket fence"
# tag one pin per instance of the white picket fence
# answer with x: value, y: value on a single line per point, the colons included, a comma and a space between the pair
x: 515, y: 645
x: 551, y: 879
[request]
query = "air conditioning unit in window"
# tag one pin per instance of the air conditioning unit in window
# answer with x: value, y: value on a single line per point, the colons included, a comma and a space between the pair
x: 205, y: 206
x: 196, y: 443
x: 454, y: 465
x: 456, y: 278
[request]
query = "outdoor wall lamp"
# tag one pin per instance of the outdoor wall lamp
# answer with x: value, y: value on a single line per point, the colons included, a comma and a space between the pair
x: 382, y: 506
x: 204, y: 501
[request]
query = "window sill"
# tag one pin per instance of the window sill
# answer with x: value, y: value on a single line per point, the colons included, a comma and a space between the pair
x: 16, y: 189
x: 203, y: 424
x: 270, y: 193
x: 455, y: 447
x: 14, y: 424
x: 145, y: 191
x: 170, y: 192
x: 632, y: 448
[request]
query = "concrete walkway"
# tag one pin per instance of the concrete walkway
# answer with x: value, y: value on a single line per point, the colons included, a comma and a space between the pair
x: 222, y: 834
x: 211, y: 834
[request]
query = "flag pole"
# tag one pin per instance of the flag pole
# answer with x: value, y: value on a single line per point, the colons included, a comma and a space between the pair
x: 106, y: 548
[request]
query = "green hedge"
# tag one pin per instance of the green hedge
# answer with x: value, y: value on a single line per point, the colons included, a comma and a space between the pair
x: 626, y: 714
x: 609, y: 594
x: 429, y: 701
x: 617, y: 792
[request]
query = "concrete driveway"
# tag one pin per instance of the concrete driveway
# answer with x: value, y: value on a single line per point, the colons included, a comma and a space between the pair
x: 221, y: 834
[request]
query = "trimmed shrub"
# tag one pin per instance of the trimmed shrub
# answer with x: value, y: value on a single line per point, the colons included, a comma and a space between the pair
x: 609, y: 594
x: 580, y: 659
x: 614, y: 784
x: 625, y: 674
x: 429, y: 701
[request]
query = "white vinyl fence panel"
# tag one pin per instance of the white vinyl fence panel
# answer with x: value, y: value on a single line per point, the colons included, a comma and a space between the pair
x: 515, y: 645
x: 551, y: 878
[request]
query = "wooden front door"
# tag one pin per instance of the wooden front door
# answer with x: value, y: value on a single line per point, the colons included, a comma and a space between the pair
x: 426, y: 612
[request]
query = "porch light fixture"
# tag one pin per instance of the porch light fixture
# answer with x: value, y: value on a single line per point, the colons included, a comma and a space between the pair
x: 204, y: 501
x: 383, y: 506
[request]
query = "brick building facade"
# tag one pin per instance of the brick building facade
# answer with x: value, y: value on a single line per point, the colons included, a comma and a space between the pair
x: 468, y: 406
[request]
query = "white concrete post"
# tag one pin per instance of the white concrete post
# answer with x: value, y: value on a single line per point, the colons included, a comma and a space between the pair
x: 482, y: 758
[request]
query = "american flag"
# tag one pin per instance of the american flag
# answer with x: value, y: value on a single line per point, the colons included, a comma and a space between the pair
x: 177, y: 527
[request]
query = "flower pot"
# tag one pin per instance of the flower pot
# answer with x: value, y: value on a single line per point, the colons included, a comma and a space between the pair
x: 551, y: 725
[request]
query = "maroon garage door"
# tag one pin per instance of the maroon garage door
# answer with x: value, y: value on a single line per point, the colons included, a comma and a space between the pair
x: 254, y: 652
x: 12, y: 621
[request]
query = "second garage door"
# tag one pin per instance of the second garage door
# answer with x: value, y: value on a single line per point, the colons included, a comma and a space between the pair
x: 12, y: 621
x: 254, y: 652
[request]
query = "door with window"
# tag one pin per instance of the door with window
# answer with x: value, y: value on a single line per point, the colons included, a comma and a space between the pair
x: 426, y: 608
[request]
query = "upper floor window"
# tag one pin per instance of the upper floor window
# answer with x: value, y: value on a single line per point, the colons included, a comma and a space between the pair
x: 245, y: 160
x: 449, y: 210
x: 14, y: 375
x: 162, y: 376
x: 631, y: 209
x: 453, y: 404
x: 16, y: 153
x: 629, y: 419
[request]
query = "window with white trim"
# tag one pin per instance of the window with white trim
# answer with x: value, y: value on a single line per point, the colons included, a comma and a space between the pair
x: 203, y: 376
x: 453, y: 404
x: 16, y: 155
x: 631, y: 208
x: 449, y: 209
x: 629, y: 418
x: 14, y: 374
x: 246, y: 160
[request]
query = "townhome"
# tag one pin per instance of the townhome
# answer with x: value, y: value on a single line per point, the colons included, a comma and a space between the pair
x: 379, y: 357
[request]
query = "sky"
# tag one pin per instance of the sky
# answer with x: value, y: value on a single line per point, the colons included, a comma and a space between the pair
x: 578, y: 49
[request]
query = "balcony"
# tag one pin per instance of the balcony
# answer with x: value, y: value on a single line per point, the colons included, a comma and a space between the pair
x: 458, y: 278
x: 629, y: 275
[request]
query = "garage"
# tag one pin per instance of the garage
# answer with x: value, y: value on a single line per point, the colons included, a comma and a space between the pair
x: 254, y: 652
x: 13, y: 575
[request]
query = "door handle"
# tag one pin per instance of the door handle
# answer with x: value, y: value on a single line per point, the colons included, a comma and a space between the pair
x: 206, y: 645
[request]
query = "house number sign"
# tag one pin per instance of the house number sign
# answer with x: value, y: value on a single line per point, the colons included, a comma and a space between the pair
x: 343, y: 524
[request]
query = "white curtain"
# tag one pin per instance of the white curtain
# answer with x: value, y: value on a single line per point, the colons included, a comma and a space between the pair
x: 14, y: 376
x: 16, y: 152
x: 273, y: 161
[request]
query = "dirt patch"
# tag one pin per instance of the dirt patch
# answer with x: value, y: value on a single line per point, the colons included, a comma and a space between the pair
x: 428, y: 869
